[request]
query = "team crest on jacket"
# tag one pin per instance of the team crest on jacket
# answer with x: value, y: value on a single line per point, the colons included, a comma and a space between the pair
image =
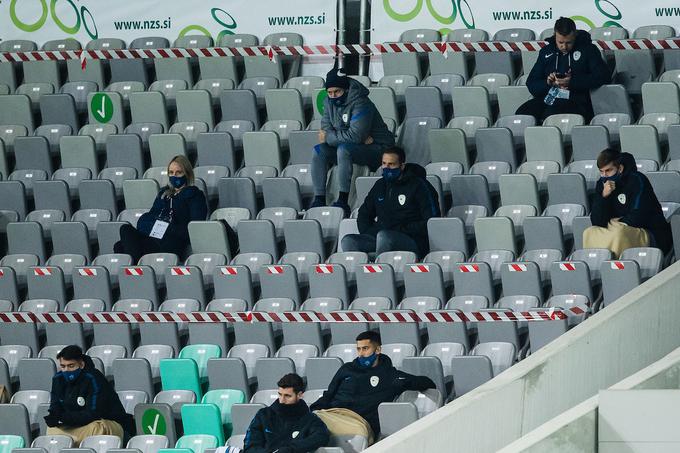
x: 345, y: 116
x: 402, y: 199
x: 375, y: 379
x: 577, y: 55
x: 622, y: 198
x: 80, y: 401
x: 295, y: 434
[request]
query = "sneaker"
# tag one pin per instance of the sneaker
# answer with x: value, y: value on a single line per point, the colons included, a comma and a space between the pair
x: 318, y: 202
x: 344, y: 206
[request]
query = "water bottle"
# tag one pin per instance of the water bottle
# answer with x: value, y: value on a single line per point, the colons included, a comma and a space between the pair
x: 551, y: 96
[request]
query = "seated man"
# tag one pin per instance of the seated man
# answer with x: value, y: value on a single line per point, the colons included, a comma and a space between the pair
x: 287, y: 426
x: 395, y: 212
x: 625, y: 211
x: 350, y: 405
x: 83, y: 402
x: 352, y: 132
x: 564, y: 73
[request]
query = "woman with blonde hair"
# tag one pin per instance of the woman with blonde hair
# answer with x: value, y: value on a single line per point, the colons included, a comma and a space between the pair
x: 165, y: 227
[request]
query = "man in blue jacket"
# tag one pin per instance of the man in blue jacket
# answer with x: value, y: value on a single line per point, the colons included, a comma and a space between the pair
x: 352, y: 132
x: 568, y: 67
x: 395, y: 212
x: 287, y: 426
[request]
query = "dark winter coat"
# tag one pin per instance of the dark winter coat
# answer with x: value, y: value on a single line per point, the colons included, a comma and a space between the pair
x: 588, y: 69
x: 88, y: 398
x: 634, y: 202
x: 187, y: 205
x: 361, y: 389
x: 286, y: 428
x: 404, y: 205
x: 355, y: 121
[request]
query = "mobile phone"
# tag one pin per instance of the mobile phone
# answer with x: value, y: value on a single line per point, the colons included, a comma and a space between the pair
x: 560, y: 75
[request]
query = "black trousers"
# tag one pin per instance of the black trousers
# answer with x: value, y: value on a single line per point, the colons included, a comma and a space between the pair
x: 136, y: 244
x: 540, y: 110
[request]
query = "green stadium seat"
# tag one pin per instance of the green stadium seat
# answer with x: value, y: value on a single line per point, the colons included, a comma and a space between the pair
x: 181, y: 374
x: 196, y: 443
x: 224, y: 399
x: 9, y: 442
x: 201, y: 353
x: 203, y: 419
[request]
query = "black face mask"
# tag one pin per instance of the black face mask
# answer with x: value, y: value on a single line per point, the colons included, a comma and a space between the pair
x: 340, y: 100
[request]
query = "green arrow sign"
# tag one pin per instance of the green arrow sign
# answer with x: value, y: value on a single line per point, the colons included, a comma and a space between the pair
x: 101, y: 107
x: 153, y: 422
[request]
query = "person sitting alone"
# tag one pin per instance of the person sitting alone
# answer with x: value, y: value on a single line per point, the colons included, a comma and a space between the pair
x: 165, y: 228
x: 287, y: 425
x: 83, y: 402
x: 567, y: 69
x: 352, y: 132
x: 625, y: 211
x: 350, y: 405
x: 395, y: 212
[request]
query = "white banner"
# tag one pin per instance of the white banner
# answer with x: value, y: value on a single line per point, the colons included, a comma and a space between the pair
x: 389, y: 18
x: 44, y: 20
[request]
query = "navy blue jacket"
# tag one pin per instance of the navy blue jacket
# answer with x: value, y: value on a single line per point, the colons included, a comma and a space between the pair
x: 588, y: 69
x: 90, y: 397
x: 361, y: 389
x: 634, y: 202
x: 285, y: 428
x: 187, y: 205
x: 404, y: 205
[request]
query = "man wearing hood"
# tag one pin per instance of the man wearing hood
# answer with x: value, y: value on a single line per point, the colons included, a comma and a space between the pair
x: 352, y: 132
x: 360, y: 386
x: 567, y: 68
x: 287, y: 426
x: 83, y: 402
x: 395, y: 212
x: 625, y: 211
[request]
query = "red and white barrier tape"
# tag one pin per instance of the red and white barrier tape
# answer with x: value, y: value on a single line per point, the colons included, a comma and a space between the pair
x: 304, y: 316
x: 321, y: 50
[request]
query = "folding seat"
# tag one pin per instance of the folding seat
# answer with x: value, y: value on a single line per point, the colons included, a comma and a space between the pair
x: 125, y: 151
x: 328, y: 280
x: 138, y: 282
x: 118, y: 117
x: 67, y: 262
x: 35, y: 91
x: 611, y: 99
x: 543, y: 258
x: 642, y: 141
x: 407, y: 332
x: 633, y: 69
x: 16, y: 111
x: 413, y: 136
x: 239, y: 104
x: 571, y: 278
x: 147, y: 443
x: 495, y: 233
x: 660, y: 97
x: 46, y: 283
x: 491, y: 74
x: 424, y: 280
x: 398, y: 261
x: 661, y: 121
x: 522, y: 278
x: 471, y: 101
x: 385, y: 101
x: 301, y: 144
x: 37, y: 373
x: 495, y: 145
x: 53, y: 133
x: 26, y: 238
x: 618, y: 278
x: 565, y: 122
x: 140, y: 193
x: 372, y: 304
x: 588, y: 141
x: 13, y: 206
x: 344, y: 351
x: 31, y: 399
x: 163, y: 147
x: 469, y: 125
x: 159, y: 262
x: 52, y: 444
x: 649, y: 260
x: 32, y: 153
x: 27, y: 178
x: 518, y: 190
x: 544, y: 232
x: 567, y: 189
x: 398, y: 352
x: 474, y: 279
x: 185, y: 282
x: 149, y: 107
x: 8, y: 133
x: 274, y: 305
x: 280, y: 281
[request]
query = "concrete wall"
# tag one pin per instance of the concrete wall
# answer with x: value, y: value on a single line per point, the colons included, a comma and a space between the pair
x: 637, y: 330
x: 575, y: 430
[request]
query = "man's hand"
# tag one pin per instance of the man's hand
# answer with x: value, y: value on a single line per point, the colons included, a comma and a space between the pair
x: 368, y: 141
x: 609, y: 187
x: 551, y: 79
x: 322, y: 136
x: 564, y: 81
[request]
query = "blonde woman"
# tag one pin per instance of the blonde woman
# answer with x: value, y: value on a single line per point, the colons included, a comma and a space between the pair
x: 165, y: 227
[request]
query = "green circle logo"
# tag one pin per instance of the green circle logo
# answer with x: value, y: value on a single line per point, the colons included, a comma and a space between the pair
x: 443, y: 19
x: 153, y: 423
x: 402, y: 17
x: 320, y: 98
x: 70, y: 30
x: 23, y: 25
x: 101, y: 107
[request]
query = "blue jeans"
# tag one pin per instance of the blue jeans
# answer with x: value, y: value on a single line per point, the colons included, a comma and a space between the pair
x: 384, y: 241
x: 346, y: 154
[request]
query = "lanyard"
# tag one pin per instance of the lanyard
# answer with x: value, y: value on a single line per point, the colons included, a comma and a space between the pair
x: 557, y: 60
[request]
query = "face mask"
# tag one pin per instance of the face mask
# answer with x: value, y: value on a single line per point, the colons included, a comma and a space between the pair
x: 391, y: 174
x: 71, y: 375
x: 177, y: 181
x: 614, y: 178
x: 367, y: 362
x: 340, y: 101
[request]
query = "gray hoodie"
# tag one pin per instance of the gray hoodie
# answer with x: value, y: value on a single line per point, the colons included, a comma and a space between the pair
x: 355, y: 121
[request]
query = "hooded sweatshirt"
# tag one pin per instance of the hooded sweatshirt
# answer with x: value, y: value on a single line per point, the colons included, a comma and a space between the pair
x: 588, y: 69
x: 88, y: 398
x: 355, y: 120
x: 634, y: 202
x: 285, y: 427
x: 404, y: 205
x: 362, y: 389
